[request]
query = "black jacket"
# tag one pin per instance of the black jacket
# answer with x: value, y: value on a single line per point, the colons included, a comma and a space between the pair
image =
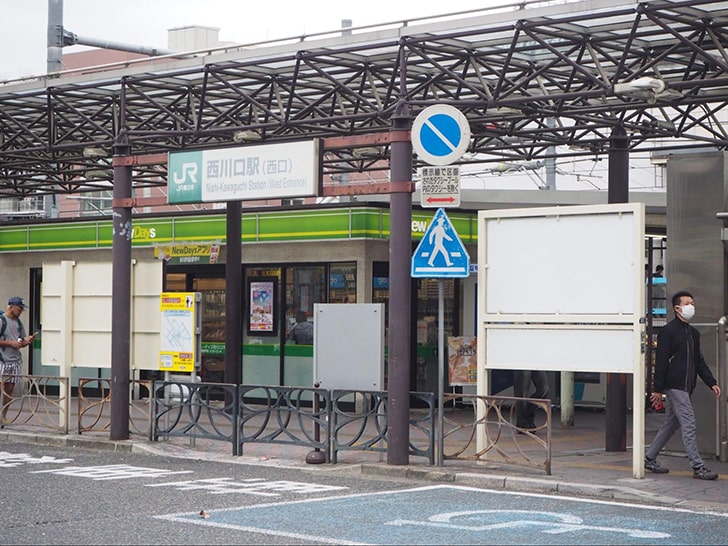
x: 671, y: 364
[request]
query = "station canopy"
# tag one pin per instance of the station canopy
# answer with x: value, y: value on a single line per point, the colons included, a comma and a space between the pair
x: 529, y: 77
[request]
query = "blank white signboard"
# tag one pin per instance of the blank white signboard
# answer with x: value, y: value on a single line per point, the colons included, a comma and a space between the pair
x: 579, y: 270
x: 562, y: 289
x: 348, y: 347
x: 560, y: 349
x: 561, y: 264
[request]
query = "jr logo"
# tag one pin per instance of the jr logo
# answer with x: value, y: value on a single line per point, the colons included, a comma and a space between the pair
x: 187, y: 170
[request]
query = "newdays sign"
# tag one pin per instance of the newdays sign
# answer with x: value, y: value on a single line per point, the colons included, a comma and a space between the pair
x: 274, y: 171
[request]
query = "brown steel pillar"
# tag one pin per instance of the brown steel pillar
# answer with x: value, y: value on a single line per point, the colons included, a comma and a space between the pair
x: 121, y: 292
x: 400, y: 296
x: 618, y: 192
x: 233, y: 295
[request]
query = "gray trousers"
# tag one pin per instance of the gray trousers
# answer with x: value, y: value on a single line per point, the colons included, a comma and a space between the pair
x: 522, y: 379
x: 678, y: 414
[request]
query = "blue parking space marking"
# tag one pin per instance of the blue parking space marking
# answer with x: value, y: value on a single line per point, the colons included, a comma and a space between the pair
x: 446, y: 514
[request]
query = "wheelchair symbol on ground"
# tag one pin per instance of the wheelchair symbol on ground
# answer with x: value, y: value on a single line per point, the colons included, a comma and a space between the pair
x: 440, y: 253
x: 551, y: 523
x: 473, y: 516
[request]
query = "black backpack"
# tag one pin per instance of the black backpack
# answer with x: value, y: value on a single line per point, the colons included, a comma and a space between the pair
x: 4, y: 326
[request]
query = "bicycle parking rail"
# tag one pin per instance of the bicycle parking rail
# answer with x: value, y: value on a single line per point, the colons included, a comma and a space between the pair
x: 94, y: 403
x: 360, y: 423
x: 492, y: 421
x: 37, y: 401
x: 196, y: 410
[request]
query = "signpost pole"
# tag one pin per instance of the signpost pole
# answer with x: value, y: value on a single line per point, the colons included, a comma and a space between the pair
x: 440, y: 136
x: 440, y: 370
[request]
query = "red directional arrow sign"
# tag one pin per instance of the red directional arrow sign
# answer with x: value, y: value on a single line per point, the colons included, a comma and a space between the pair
x: 440, y: 186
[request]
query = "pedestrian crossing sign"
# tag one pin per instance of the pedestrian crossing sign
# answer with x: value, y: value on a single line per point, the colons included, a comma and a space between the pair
x: 440, y: 253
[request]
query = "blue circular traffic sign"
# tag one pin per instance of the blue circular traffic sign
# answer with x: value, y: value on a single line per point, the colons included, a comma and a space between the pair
x: 440, y: 134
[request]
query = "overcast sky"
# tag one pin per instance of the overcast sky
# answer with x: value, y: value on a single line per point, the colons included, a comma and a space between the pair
x: 23, y: 41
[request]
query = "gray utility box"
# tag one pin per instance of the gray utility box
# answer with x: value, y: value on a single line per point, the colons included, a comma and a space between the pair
x: 349, y: 346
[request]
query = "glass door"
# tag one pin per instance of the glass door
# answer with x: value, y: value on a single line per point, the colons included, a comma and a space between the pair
x: 212, y: 292
x: 262, y: 332
x: 305, y: 286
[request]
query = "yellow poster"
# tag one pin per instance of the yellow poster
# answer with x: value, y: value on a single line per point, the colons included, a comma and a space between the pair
x: 177, y: 332
x: 462, y: 359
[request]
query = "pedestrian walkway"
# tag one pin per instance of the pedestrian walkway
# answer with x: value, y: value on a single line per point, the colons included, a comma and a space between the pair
x: 580, y: 465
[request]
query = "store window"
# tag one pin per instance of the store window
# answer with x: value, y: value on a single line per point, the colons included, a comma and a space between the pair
x: 262, y: 332
x: 212, y: 294
x: 342, y: 283
x: 175, y: 282
x: 427, y: 313
x: 305, y: 286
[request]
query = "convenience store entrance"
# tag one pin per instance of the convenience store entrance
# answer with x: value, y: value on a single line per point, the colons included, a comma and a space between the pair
x: 278, y: 317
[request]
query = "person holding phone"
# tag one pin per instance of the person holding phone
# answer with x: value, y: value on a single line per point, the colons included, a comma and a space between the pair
x: 13, y: 338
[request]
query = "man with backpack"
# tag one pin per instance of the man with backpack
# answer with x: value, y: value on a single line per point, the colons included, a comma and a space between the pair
x: 13, y: 337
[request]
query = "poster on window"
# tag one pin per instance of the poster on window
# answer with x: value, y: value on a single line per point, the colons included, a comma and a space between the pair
x: 462, y: 359
x: 262, y: 318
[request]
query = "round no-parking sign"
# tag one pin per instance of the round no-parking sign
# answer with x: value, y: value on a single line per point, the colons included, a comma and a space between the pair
x: 440, y: 134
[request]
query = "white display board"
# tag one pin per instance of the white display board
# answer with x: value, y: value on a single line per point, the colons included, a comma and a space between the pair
x: 556, y: 348
x: 348, y: 348
x: 562, y: 289
x: 577, y: 272
x: 562, y: 263
x: 76, y: 314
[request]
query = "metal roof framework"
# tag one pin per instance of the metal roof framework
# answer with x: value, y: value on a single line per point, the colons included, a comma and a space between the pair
x: 529, y: 78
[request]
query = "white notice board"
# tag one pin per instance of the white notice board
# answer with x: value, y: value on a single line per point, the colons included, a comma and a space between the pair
x: 562, y: 288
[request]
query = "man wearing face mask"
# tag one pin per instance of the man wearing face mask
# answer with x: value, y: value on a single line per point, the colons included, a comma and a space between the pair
x: 678, y: 363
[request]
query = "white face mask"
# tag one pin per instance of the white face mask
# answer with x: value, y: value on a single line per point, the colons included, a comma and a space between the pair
x: 687, y: 311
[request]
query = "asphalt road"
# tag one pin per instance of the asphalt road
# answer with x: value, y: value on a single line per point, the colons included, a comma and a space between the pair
x: 75, y: 496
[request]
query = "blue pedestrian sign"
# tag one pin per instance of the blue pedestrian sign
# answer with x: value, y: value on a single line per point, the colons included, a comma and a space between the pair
x: 440, y: 253
x: 440, y: 134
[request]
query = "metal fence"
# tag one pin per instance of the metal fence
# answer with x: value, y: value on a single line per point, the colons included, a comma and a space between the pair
x: 360, y: 423
x: 285, y: 415
x: 94, y: 402
x: 328, y: 422
x: 36, y: 401
x: 196, y: 410
x: 491, y: 421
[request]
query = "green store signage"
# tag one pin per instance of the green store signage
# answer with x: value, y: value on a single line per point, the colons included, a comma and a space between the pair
x: 269, y: 226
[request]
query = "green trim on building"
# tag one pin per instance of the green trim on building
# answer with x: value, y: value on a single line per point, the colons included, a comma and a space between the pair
x: 262, y: 350
x: 218, y: 349
x: 266, y: 226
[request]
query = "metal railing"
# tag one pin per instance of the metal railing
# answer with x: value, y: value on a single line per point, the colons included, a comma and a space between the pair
x: 328, y: 422
x: 94, y: 402
x: 196, y: 410
x: 488, y: 432
x: 285, y: 415
x: 360, y: 423
x: 37, y: 401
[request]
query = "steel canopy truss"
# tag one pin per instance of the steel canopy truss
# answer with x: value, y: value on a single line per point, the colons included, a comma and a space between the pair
x: 528, y: 80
